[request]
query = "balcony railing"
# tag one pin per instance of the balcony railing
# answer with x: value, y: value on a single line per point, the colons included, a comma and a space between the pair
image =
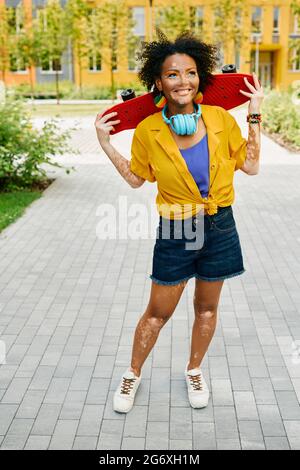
x: 275, y: 38
x: 256, y: 37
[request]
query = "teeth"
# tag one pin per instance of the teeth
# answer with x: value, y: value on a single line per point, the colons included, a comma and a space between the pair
x: 183, y: 92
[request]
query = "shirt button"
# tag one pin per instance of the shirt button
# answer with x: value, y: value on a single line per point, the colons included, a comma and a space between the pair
x: 213, y: 167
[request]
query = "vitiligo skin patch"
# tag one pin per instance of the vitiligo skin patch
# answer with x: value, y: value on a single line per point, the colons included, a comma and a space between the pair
x: 253, y: 145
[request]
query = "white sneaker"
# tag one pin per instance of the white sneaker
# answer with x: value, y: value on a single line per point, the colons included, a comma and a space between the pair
x: 124, y: 395
x: 198, y: 391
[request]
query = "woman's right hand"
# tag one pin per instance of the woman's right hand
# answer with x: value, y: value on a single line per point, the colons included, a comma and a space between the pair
x: 103, y: 126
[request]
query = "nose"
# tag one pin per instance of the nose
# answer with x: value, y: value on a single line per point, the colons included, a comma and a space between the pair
x: 184, y: 79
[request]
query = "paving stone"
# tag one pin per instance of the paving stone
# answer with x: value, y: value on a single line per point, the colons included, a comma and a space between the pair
x: 271, y: 421
x: 204, y: 436
x: 90, y: 421
x: 251, y: 435
x: 225, y: 422
x: 37, y: 443
x: 64, y: 434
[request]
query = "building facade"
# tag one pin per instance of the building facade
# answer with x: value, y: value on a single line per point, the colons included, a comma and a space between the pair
x: 269, y: 26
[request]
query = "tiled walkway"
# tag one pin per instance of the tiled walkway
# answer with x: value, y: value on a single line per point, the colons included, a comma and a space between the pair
x: 70, y: 301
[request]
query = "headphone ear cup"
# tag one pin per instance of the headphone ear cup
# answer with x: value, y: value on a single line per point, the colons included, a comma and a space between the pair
x: 178, y: 124
x: 193, y: 124
x: 186, y: 123
x: 182, y: 124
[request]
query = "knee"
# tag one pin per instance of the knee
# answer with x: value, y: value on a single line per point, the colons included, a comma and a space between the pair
x: 205, y: 312
x: 157, y: 320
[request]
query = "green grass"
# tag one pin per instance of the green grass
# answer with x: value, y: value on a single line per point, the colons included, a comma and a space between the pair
x: 65, y: 110
x: 13, y: 205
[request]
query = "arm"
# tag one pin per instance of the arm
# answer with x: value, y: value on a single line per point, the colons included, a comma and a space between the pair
x: 251, y: 164
x: 103, y: 128
x: 123, y: 166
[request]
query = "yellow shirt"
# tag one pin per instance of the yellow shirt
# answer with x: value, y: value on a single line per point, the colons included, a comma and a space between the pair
x: 155, y: 156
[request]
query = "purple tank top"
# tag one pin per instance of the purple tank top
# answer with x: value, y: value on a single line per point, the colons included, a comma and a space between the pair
x: 197, y: 160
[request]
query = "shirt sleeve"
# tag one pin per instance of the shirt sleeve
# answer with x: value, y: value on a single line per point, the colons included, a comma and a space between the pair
x: 237, y: 143
x: 139, y: 163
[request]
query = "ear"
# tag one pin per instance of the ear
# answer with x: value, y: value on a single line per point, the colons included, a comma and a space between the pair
x: 158, y: 84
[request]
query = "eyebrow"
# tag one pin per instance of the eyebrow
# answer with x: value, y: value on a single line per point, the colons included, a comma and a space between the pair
x: 176, y: 70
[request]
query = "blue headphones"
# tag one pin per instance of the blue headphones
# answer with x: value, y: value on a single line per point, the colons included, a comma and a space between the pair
x: 183, y: 124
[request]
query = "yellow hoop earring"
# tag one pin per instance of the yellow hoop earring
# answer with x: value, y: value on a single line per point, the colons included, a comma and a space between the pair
x: 198, y: 98
x: 160, y: 101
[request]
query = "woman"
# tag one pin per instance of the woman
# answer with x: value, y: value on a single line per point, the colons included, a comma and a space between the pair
x: 192, y: 151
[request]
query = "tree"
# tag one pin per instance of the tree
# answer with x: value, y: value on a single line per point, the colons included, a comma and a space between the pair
x: 77, y: 25
x: 228, y: 28
x: 28, y: 46
x: 53, y: 37
x: 110, y: 31
x: 294, y: 43
x: 6, y: 43
x: 173, y: 20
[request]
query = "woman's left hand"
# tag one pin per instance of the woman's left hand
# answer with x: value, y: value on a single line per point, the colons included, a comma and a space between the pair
x: 257, y: 95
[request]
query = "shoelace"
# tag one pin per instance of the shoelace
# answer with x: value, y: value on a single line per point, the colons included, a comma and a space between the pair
x: 196, y: 381
x: 127, y: 385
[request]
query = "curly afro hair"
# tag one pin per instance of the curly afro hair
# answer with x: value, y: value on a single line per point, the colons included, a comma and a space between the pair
x: 153, y: 54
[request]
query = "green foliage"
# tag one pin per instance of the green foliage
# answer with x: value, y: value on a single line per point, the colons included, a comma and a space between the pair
x: 23, y: 149
x: 174, y: 19
x: 281, y: 115
x: 68, y: 90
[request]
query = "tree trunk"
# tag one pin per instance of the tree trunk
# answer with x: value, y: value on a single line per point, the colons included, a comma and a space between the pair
x: 57, y: 87
x: 3, y: 76
x: 80, y: 75
x: 31, y: 82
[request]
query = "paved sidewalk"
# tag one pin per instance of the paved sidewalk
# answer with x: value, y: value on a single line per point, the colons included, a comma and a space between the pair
x: 69, y: 304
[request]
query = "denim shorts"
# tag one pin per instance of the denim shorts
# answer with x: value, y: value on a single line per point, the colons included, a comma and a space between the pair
x: 218, y: 258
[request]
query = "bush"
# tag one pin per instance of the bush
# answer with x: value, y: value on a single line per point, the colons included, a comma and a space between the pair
x: 23, y: 149
x: 281, y: 113
x: 68, y: 90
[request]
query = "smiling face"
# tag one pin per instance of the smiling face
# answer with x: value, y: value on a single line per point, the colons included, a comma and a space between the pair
x: 179, y: 80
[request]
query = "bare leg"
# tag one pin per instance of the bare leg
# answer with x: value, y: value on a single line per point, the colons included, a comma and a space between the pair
x: 206, y: 299
x: 162, y: 303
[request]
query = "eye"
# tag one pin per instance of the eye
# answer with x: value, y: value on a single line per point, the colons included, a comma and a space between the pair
x: 172, y: 75
x: 193, y: 72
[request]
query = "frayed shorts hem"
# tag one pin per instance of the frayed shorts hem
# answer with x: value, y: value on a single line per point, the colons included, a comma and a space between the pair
x: 170, y: 283
x: 197, y: 276
x: 220, y: 278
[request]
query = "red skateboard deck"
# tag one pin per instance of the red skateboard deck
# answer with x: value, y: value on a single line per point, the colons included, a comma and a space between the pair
x: 223, y: 91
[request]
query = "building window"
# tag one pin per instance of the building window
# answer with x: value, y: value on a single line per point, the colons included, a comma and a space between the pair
x: 256, y: 20
x: 196, y: 19
x: 276, y: 11
x: 15, y: 19
x: 294, y: 64
x: 296, y: 24
x: 42, y: 18
x: 16, y: 64
x: 95, y: 62
x: 51, y: 66
x: 138, y: 16
x: 16, y: 25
